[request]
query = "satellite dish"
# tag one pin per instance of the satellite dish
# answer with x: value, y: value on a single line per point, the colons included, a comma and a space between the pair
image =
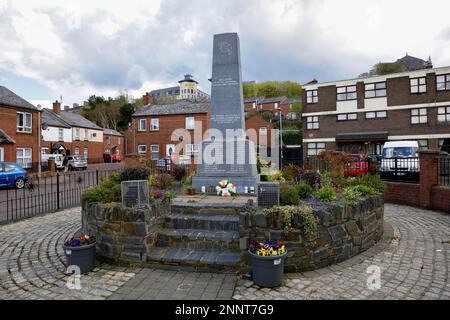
x: 44, y: 126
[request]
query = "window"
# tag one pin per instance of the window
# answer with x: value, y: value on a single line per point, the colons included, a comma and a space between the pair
x: 423, y: 144
x: 24, y: 122
x: 190, y: 123
x: 85, y: 152
x: 346, y: 93
x: 86, y: 135
x: 418, y: 85
x: 312, y: 123
x: 254, y: 105
x: 192, y: 149
x: 374, y: 90
x: 376, y: 114
x: 154, y: 124
x: 77, y: 151
x: 263, y: 131
x: 60, y: 134
x: 347, y: 116
x: 315, y: 148
x: 155, y: 151
x: 2, y: 154
x: 142, y: 149
x: 109, y: 140
x: 443, y: 82
x: 23, y: 157
x: 419, y: 116
x: 311, y: 96
x: 44, y: 150
x: 142, y: 124
x: 276, y: 105
x: 77, y: 133
x: 444, y: 114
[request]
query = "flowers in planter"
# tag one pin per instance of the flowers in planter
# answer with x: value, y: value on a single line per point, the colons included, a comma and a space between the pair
x: 225, y: 188
x: 81, y: 240
x: 267, y: 249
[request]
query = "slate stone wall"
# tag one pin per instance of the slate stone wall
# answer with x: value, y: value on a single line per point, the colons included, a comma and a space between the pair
x: 343, y: 231
x: 123, y: 235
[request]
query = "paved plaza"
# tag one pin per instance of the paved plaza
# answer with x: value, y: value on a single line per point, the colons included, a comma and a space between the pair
x: 413, y: 259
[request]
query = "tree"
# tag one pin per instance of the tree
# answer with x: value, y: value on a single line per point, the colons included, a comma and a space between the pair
x: 271, y: 89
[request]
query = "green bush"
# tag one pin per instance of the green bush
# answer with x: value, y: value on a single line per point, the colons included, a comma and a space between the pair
x: 289, y: 196
x: 326, y: 194
x: 137, y: 173
x: 264, y: 177
x: 277, y: 176
x: 364, y: 190
x: 372, y: 181
x: 108, y: 190
x: 161, y: 180
x: 304, y: 190
x: 350, y: 196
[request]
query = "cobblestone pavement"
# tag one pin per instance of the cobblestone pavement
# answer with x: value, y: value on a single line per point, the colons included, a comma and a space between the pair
x: 414, y: 263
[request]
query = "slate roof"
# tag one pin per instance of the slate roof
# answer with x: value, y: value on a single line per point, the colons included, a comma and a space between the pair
x: 254, y: 99
x: 5, y: 138
x: 273, y: 100
x: 52, y: 119
x: 112, y: 132
x: 174, y: 90
x: 75, y: 120
x: 178, y: 107
x: 412, y: 63
x: 9, y: 98
x: 292, y: 100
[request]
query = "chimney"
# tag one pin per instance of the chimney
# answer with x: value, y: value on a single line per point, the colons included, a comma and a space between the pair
x: 66, y: 108
x: 148, y: 99
x: 56, y: 107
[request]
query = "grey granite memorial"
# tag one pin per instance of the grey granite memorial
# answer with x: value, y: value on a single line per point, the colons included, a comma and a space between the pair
x: 226, y: 153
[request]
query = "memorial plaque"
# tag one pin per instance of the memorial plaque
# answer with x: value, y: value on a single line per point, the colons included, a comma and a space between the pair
x: 234, y: 157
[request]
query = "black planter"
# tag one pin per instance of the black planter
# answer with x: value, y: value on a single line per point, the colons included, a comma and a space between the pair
x: 83, y: 257
x: 267, y: 271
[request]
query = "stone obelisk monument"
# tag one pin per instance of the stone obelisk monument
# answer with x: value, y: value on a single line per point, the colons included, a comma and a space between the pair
x: 226, y: 153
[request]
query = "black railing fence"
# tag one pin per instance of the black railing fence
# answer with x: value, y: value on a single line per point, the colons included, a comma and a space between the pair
x: 49, y: 193
x: 444, y: 170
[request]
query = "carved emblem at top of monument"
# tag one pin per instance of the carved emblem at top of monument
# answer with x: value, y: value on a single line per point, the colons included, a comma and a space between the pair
x: 225, y: 48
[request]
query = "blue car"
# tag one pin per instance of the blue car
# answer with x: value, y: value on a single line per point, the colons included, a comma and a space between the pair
x: 12, y: 175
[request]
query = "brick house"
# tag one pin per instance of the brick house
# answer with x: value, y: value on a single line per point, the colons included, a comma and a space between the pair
x: 252, y: 103
x: 87, y: 137
x: 272, y: 104
x: 150, y: 133
x: 56, y: 133
x: 19, y: 130
x: 113, y: 142
x: 360, y: 115
x: 263, y: 129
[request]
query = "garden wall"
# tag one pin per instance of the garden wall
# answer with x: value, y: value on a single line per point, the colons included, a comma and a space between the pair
x: 343, y: 231
x: 402, y: 193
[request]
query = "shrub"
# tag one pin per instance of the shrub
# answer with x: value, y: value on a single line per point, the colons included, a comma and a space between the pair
x: 264, y: 177
x: 137, y: 173
x: 326, y: 194
x: 367, y: 180
x: 313, y: 179
x: 365, y: 191
x: 169, y: 195
x: 308, y: 223
x: 289, y: 196
x: 161, y: 180
x: 108, y: 190
x: 304, y: 190
x: 179, y: 172
x: 277, y: 176
x: 350, y: 196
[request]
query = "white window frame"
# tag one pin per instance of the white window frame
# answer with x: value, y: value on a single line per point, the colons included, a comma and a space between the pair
x: 312, y: 123
x: 77, y: 133
x: 189, y: 123
x: 24, y: 161
x: 312, y: 96
x: 154, y: 124
x: 77, y: 151
x: 376, y: 115
x: 25, y: 127
x: 142, y: 125
x: 60, y: 134
x: 45, y: 150
x: 86, y: 134
x: 263, y: 131
x: 418, y: 85
x: 254, y: 105
x: 86, y: 152
x: 419, y: 116
x: 154, y: 150
x: 347, y: 117
x: 142, y: 149
x: 192, y: 149
x: 2, y: 154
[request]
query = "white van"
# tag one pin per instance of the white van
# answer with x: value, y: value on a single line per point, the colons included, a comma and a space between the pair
x: 400, y: 157
x: 59, y: 160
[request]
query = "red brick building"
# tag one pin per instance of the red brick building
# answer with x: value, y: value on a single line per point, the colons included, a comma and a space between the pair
x: 113, y: 142
x: 263, y: 130
x: 20, y: 123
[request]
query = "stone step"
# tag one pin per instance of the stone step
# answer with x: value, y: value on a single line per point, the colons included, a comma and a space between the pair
x: 202, y: 240
x: 199, y: 208
x: 202, y: 222
x: 196, y: 258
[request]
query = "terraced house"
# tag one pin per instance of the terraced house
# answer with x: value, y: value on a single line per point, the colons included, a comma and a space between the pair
x: 19, y: 130
x: 360, y: 115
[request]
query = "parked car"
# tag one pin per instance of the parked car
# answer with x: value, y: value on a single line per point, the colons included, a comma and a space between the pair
x: 358, y: 167
x: 76, y: 163
x: 59, y: 160
x: 400, y: 159
x: 12, y: 175
x: 108, y: 158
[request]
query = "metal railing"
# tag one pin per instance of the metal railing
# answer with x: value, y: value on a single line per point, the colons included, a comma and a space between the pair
x: 49, y: 193
x: 444, y: 170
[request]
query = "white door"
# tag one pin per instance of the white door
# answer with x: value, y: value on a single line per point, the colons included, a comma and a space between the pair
x: 2, y: 154
x: 170, y: 148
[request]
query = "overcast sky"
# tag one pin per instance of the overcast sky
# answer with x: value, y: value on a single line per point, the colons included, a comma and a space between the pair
x: 49, y: 48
